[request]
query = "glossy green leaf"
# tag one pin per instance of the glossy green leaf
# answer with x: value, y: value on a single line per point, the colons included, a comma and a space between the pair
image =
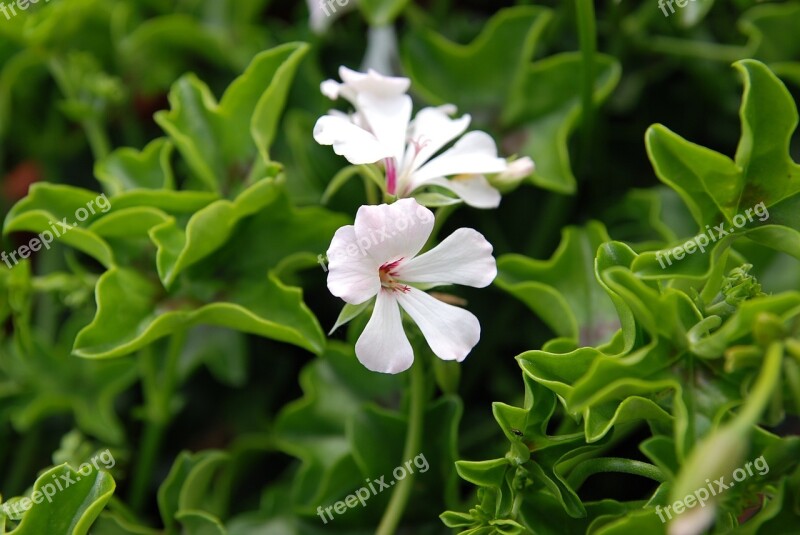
x: 717, y: 189
x: 50, y: 382
x: 129, y: 169
x: 207, y: 230
x: 546, y: 106
x: 72, y: 509
x: 313, y: 428
x: 132, y: 313
x: 183, y: 496
x: 219, y: 140
x: 439, y: 68
x: 563, y: 290
x: 53, y: 208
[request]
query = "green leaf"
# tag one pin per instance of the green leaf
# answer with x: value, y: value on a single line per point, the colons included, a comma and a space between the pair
x: 313, y: 428
x: 129, y: 222
x: 50, y: 382
x: 717, y: 189
x: 199, y: 523
x: 183, y: 496
x: 381, y: 12
x: 707, y: 181
x: 440, y: 69
x: 739, y: 327
x: 73, y: 509
x: 48, y: 204
x: 129, y: 169
x: 376, y: 440
x: 220, y: 140
x: 171, y: 202
x: 207, y: 230
x: 563, y: 291
x: 484, y: 473
x: 546, y: 107
x: 348, y: 313
x: 132, y: 312
x: 641, y: 521
x: 225, y: 281
x: 773, y: 27
x: 161, y: 49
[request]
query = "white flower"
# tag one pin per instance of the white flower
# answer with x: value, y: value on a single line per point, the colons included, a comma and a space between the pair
x: 517, y: 170
x: 381, y: 130
x: 389, y: 238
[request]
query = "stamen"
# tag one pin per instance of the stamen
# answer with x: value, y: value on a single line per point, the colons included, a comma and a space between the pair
x: 387, y: 273
x: 419, y: 144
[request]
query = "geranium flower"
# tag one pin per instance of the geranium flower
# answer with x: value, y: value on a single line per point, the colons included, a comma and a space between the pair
x: 381, y: 130
x: 377, y: 258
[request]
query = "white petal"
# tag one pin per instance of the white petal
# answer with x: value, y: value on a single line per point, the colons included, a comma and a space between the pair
x: 520, y: 168
x: 474, y: 154
x: 374, y: 82
x: 693, y: 522
x: 383, y: 346
x: 388, y: 118
x: 331, y: 89
x: 389, y: 232
x: 352, y: 274
x: 451, y: 332
x: 432, y: 129
x: 318, y: 20
x: 349, y: 140
x: 382, y: 54
x: 465, y: 257
x: 474, y: 190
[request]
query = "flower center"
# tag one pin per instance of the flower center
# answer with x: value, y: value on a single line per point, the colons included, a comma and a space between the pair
x: 394, y: 178
x: 388, y: 273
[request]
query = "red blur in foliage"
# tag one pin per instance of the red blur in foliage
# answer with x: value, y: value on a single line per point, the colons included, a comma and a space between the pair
x: 16, y: 183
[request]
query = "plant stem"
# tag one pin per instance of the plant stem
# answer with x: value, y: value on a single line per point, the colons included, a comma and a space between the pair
x: 95, y: 133
x: 15, y: 481
x: 613, y: 464
x: 98, y: 140
x: 149, y: 446
x: 416, y: 416
x: 587, y: 34
x: 762, y: 390
x: 158, y: 400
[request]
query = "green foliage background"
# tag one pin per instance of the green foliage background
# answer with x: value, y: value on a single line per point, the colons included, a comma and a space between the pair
x: 184, y: 329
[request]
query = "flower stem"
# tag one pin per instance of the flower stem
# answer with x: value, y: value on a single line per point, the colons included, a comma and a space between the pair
x: 416, y: 416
